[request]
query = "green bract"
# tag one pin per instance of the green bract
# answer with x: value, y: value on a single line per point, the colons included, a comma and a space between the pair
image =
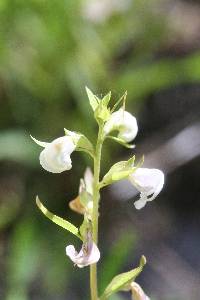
x: 57, y: 220
x: 118, y: 171
x: 121, y: 281
x: 99, y: 106
x: 81, y: 141
x: 120, y: 141
x: 85, y: 226
x: 83, y: 203
x: 102, y: 113
x: 94, y: 101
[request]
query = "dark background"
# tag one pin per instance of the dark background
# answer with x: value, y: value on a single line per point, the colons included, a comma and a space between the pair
x: 49, y: 52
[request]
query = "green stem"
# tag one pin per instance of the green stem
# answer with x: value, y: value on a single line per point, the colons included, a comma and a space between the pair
x: 95, y: 216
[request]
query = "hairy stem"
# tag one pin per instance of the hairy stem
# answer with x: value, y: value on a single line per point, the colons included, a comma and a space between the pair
x: 95, y: 216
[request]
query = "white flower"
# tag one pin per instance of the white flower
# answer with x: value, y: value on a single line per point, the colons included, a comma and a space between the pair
x: 89, y: 253
x: 149, y: 183
x: 137, y: 292
x: 125, y: 123
x: 55, y: 157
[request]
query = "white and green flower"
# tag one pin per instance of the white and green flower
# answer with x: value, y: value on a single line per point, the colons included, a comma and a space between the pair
x: 149, y: 182
x: 89, y: 253
x: 123, y: 122
x: 55, y: 157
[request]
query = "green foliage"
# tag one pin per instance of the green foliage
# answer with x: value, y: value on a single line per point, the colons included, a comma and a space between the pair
x: 81, y: 141
x: 57, y: 220
x: 119, y: 171
x: 15, y: 146
x: 99, y: 106
x: 93, y: 100
x: 120, y: 141
x: 122, y: 280
x: 23, y: 260
x: 116, y: 257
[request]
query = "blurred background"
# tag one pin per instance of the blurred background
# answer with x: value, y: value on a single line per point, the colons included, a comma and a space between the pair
x: 49, y: 52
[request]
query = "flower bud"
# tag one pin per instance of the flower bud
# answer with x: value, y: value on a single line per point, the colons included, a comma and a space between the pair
x: 149, y: 183
x: 125, y: 123
x: 89, y: 253
x: 83, y: 203
x: 55, y: 157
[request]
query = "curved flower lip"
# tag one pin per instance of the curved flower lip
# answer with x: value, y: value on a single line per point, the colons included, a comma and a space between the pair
x: 137, y: 292
x: 149, y: 183
x: 89, y: 253
x: 55, y: 157
x: 125, y: 123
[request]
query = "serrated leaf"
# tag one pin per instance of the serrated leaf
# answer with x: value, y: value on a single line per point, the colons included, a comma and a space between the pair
x: 121, y: 142
x: 120, y: 281
x: 92, y: 98
x: 57, y: 220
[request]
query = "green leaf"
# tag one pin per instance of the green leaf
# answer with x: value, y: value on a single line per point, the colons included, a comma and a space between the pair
x: 123, y: 98
x: 121, y: 281
x: 85, y: 226
x: 121, y: 142
x: 81, y: 141
x: 118, y: 171
x: 92, y: 98
x: 113, y: 263
x: 102, y: 113
x: 15, y: 146
x: 106, y: 99
x: 85, y: 145
x: 57, y: 220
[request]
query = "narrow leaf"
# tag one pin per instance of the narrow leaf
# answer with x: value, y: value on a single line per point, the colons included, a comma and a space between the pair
x: 121, y: 142
x: 92, y: 98
x: 123, y: 98
x: 121, y: 281
x: 106, y: 99
x: 57, y: 220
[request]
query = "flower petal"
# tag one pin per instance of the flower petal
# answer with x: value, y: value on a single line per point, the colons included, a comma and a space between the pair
x: 55, y: 157
x: 137, y: 292
x: 89, y: 253
x: 140, y: 203
x: 149, y: 183
x: 40, y: 143
x: 125, y: 123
